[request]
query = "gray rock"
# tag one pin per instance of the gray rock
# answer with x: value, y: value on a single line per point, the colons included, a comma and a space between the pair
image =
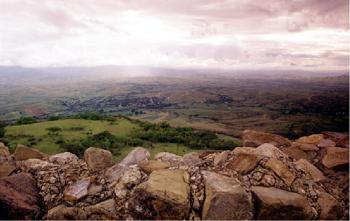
x: 136, y: 156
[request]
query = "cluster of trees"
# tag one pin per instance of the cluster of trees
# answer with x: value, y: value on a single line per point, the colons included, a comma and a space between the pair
x: 163, y: 132
x: 26, y: 120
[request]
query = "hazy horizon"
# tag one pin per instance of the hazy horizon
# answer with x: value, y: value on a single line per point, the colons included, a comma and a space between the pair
x: 309, y: 35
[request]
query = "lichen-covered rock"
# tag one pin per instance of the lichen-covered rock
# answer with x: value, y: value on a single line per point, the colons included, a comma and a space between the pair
x: 113, y: 173
x: 63, y: 158
x: 225, y: 199
x: 305, y: 146
x: 136, y: 156
x: 221, y: 158
x: 310, y: 169
x: 171, y: 158
x: 252, y: 138
x: 4, y: 152
x: 23, y: 153
x: 19, y: 197
x: 264, y: 150
x: 273, y: 203
x: 97, y: 159
x: 101, y: 211
x: 341, y: 139
x: 312, y: 139
x: 6, y: 167
x: 192, y: 158
x: 152, y: 165
x: 243, y: 163
x: 76, y: 191
x: 330, y: 208
x: 336, y: 157
x: 295, y: 152
x: 164, y: 196
x: 281, y: 170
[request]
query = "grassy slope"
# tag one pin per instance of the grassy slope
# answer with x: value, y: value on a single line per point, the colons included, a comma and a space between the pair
x: 20, y: 134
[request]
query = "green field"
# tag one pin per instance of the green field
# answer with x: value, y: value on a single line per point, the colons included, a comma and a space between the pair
x: 38, y: 135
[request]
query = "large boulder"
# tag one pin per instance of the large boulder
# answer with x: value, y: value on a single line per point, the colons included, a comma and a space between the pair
x: 24, y: 153
x: 243, y: 163
x: 102, y: 211
x: 295, y: 152
x: 341, y: 139
x: 171, y: 158
x: 164, y: 196
x: 63, y: 158
x: 330, y: 207
x: 264, y: 150
x: 281, y: 170
x: 152, y: 165
x: 136, y: 156
x: 97, y: 159
x: 314, y: 139
x: 273, y: 203
x: 225, y: 198
x: 252, y: 138
x: 336, y: 157
x: 310, y: 169
x: 19, y: 197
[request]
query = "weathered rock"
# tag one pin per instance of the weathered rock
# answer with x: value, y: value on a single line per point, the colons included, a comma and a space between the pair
x: 24, y: 153
x: 136, y: 156
x: 305, y: 146
x: 252, y: 138
x: 225, y: 199
x: 310, y: 169
x: 152, y: 165
x: 63, y: 158
x: 330, y: 208
x: 341, y: 139
x: 191, y: 158
x: 326, y: 143
x: 243, y: 163
x: 295, y: 152
x: 76, y: 191
x: 6, y: 167
x: 264, y: 150
x: 97, y: 159
x: 164, y: 196
x: 171, y: 158
x: 113, y: 173
x: 33, y: 164
x: 273, y: 203
x: 281, y: 170
x: 101, y: 211
x: 4, y: 152
x: 336, y: 157
x: 221, y: 158
x: 312, y: 139
x: 130, y: 178
x: 19, y: 197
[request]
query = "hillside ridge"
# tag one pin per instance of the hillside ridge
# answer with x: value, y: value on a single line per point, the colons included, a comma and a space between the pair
x: 269, y: 177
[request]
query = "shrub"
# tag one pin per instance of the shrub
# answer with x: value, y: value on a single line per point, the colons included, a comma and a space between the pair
x: 26, y: 120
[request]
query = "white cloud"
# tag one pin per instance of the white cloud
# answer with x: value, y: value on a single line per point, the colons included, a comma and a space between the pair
x: 252, y: 34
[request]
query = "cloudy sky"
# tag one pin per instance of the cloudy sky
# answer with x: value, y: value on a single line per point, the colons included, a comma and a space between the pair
x: 237, y: 34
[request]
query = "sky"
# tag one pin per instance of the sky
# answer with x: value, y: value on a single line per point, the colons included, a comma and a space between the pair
x: 228, y: 34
